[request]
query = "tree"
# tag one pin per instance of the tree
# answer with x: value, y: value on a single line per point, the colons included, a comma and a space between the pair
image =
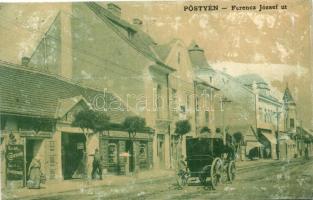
x: 91, y: 120
x: 101, y: 122
x: 84, y: 120
x: 182, y: 128
x: 238, y: 140
x: 205, y: 129
x: 133, y: 124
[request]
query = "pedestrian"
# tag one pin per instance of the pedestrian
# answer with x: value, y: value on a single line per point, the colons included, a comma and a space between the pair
x: 306, y: 153
x: 96, y: 165
x: 34, y: 174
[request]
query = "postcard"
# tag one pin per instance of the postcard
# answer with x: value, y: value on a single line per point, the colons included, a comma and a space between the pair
x: 156, y: 100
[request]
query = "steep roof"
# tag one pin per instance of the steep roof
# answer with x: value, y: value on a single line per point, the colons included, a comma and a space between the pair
x: 139, y: 40
x: 26, y: 92
x: 287, y: 98
x: 248, y: 79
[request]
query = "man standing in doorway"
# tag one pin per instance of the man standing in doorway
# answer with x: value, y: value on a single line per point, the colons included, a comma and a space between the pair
x: 96, y: 165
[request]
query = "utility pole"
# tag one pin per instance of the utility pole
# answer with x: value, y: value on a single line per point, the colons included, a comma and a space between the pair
x: 301, y: 139
x: 277, y: 134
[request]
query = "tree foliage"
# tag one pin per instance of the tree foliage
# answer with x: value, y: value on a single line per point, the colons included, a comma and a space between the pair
x: 101, y: 122
x: 238, y: 137
x: 182, y: 127
x: 133, y: 124
x: 91, y: 120
x: 205, y: 129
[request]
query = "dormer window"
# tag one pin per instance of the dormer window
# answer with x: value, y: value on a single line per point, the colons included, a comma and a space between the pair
x: 130, y: 34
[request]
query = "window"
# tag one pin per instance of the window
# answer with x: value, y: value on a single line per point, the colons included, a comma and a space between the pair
x: 197, y: 104
x: 174, y: 99
x: 130, y: 34
x: 178, y: 57
x: 211, y: 79
x: 158, y: 99
x: 182, y: 109
x: 143, y: 151
x: 207, y: 116
x: 292, y: 123
x: 112, y: 153
x: 188, y: 102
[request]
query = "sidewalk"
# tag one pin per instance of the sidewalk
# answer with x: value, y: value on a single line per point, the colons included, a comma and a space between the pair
x: 53, y: 187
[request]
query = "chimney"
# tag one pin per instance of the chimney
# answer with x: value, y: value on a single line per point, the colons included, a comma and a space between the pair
x: 137, y: 21
x: 114, y: 9
x: 25, y: 61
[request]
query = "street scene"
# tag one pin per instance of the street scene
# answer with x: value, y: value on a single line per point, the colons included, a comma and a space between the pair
x: 156, y: 100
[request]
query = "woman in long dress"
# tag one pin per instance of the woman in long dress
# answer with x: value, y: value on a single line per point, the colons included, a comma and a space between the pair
x: 34, y: 174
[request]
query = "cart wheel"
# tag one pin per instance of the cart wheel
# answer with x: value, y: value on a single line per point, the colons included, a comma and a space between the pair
x: 224, y: 174
x: 216, y: 170
x: 231, y: 171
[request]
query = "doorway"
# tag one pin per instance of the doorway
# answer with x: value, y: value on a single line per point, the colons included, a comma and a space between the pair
x: 160, y: 150
x: 130, y: 149
x: 32, y: 150
x: 73, y: 156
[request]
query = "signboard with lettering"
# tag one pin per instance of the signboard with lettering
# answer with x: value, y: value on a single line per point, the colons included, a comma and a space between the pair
x: 15, y: 162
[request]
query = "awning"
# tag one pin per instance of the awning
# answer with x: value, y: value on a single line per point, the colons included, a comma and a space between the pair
x: 252, y: 144
x: 270, y: 137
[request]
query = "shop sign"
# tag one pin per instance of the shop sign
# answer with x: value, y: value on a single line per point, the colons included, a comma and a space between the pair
x: 15, y: 162
x: 40, y: 134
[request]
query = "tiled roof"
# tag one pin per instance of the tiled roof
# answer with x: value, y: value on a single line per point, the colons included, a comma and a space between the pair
x: 139, y: 40
x: 248, y: 79
x: 32, y: 93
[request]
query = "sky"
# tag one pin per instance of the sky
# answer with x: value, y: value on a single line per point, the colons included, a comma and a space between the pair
x: 273, y: 43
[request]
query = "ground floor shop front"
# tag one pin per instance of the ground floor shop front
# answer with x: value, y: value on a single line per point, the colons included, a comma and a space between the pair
x: 68, y: 154
x: 122, y: 154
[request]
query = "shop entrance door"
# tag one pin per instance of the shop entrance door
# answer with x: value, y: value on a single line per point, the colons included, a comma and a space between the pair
x: 160, y: 150
x: 74, y: 160
x: 130, y: 150
x: 32, y: 150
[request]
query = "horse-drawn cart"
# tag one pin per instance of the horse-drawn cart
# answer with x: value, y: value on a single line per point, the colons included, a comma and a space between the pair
x: 210, y: 160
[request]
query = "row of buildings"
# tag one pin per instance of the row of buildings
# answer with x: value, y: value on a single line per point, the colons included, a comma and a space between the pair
x: 91, y: 58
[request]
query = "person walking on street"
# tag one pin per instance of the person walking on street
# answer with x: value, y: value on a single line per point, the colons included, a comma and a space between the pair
x: 96, y: 165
